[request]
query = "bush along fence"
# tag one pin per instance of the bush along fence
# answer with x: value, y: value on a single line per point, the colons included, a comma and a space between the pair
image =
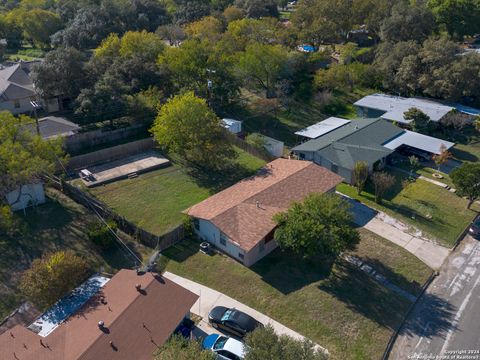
x: 252, y: 150
x: 160, y: 242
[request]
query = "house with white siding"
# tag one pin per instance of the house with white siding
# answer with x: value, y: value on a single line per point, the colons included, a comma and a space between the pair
x: 239, y: 220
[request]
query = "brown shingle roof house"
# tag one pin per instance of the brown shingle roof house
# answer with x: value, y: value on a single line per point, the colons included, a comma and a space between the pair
x: 136, y: 321
x: 238, y: 220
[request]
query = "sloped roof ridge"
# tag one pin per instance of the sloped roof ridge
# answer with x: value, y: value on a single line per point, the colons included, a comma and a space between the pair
x: 98, y: 338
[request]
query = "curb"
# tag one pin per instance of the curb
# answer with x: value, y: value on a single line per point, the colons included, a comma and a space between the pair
x: 394, y: 336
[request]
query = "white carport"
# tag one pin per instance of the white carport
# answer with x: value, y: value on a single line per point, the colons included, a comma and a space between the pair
x: 419, y: 141
x: 322, y: 127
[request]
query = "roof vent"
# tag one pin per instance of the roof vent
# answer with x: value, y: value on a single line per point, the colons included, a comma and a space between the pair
x: 101, y: 324
x: 257, y: 203
x: 138, y: 287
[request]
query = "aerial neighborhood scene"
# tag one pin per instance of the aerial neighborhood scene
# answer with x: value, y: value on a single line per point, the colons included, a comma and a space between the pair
x: 239, y: 179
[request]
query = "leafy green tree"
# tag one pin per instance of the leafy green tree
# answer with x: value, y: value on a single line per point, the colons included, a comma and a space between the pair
x: 179, y: 348
x: 466, y: 179
x: 419, y: 121
x: 382, y: 181
x: 460, y: 17
x: 209, y: 28
x: 408, y: 22
x: 233, y: 13
x: 346, y: 77
x: 186, y: 126
x: 194, y: 65
x: 24, y: 156
x: 61, y: 73
x: 263, y: 65
x: 443, y: 157
x: 52, y: 277
x: 320, y: 21
x: 265, y: 344
x: 256, y: 139
x: 414, y: 164
x: 321, y: 224
x: 37, y: 24
x: 360, y: 175
x: 258, y: 8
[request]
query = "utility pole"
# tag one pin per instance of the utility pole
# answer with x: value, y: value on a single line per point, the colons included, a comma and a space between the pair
x: 36, y: 106
x: 209, y: 87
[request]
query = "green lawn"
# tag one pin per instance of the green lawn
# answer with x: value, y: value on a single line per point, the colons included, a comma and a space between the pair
x: 155, y: 200
x: 428, y: 207
x: 57, y: 225
x: 335, y: 305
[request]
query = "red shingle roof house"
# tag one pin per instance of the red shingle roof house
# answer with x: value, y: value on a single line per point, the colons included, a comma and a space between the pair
x: 238, y: 220
x: 139, y: 313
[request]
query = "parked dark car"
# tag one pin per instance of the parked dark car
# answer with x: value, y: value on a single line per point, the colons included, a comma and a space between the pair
x: 232, y: 321
x: 475, y: 229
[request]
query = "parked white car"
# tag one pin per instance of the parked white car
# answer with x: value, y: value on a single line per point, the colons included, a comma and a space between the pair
x: 226, y: 348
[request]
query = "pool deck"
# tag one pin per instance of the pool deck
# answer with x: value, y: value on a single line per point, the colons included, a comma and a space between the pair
x: 122, y: 169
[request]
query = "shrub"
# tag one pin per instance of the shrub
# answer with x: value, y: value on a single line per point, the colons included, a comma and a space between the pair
x: 101, y: 235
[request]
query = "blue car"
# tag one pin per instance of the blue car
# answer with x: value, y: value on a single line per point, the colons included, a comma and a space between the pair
x: 224, y: 347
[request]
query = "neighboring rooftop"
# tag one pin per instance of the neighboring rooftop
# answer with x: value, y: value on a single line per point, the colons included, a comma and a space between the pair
x: 54, y: 126
x: 15, y: 81
x: 396, y: 106
x: 244, y: 211
x: 135, y: 323
x: 419, y: 141
x: 322, y: 127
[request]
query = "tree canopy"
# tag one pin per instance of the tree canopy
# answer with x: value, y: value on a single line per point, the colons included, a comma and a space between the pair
x: 466, y: 179
x: 320, y: 225
x: 53, y: 276
x: 186, y: 126
x: 265, y: 344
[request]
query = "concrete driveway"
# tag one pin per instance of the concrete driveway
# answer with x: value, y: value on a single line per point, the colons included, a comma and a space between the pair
x: 399, y: 233
x: 209, y: 298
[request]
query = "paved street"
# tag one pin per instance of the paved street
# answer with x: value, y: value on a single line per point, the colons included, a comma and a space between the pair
x: 447, y: 318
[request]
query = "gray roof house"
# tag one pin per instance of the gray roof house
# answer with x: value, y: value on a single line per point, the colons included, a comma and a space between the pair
x: 16, y: 88
x: 392, y: 108
x: 368, y: 140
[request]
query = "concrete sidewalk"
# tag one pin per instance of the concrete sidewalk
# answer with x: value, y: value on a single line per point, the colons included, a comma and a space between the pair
x: 399, y: 233
x: 209, y: 298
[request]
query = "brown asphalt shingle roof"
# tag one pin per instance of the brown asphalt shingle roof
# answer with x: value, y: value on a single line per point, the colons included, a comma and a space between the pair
x: 234, y: 210
x: 137, y: 323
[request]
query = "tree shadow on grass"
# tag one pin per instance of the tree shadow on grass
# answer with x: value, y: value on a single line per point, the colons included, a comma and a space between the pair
x: 376, y: 302
x: 288, y: 273
x: 217, y: 180
x: 464, y: 155
x: 433, y: 316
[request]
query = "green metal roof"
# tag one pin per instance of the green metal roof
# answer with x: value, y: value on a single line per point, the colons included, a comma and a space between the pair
x: 360, y: 140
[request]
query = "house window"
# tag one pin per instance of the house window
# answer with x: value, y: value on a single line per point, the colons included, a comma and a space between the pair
x: 196, y: 224
x: 261, y: 246
x: 16, y: 104
x: 240, y: 255
x: 223, y: 239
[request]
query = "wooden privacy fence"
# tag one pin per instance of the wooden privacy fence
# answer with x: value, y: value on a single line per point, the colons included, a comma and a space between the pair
x: 242, y: 144
x: 145, y: 237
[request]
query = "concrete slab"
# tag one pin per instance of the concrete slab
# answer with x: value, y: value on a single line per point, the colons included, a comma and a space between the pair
x: 121, y: 169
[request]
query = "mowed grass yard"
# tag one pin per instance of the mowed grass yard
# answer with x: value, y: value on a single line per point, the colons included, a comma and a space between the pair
x: 59, y: 224
x: 335, y: 305
x: 155, y: 200
x: 435, y: 211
